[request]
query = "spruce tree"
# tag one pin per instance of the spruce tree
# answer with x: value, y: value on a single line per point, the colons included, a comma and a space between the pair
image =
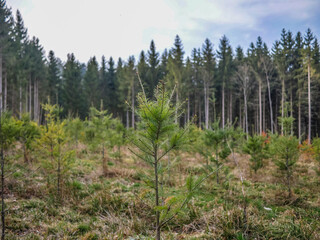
x: 72, y: 88
x: 5, y: 26
x: 153, y: 70
x: 208, y: 74
x: 54, y: 81
x: 112, y: 88
x: 91, y: 83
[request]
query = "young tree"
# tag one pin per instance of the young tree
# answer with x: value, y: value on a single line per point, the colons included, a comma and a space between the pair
x: 160, y: 135
x: 8, y: 134
x: 28, y: 133
x: 217, y: 149
x: 285, y: 151
x: 99, y: 130
x: 256, y: 147
x: 53, y: 139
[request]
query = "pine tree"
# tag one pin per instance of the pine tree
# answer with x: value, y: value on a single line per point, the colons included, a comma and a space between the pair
x: 112, y: 88
x: 72, y: 88
x: 20, y: 38
x: 91, y: 83
x: 142, y: 68
x: 308, y: 40
x: 153, y: 70
x: 5, y: 27
x: 224, y: 71
x: 54, y: 81
x: 208, y: 74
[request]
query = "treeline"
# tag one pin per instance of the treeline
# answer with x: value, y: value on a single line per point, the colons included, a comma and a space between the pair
x: 252, y: 88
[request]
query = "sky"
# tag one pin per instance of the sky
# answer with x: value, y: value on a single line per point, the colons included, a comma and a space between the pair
x: 120, y: 28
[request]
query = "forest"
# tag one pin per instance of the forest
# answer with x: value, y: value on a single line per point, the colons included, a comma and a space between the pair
x: 220, y: 144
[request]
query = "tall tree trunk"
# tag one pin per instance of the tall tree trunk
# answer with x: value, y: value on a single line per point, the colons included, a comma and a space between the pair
x: 222, y: 110
x: 270, y: 103
x: 206, y: 104
x: 240, y: 110
x: 1, y: 103
x: 246, y: 112
x: 291, y: 109
x: 264, y: 112
x: 20, y: 99
x: 230, y: 107
x: 309, y: 104
x: 260, y: 107
x: 200, y: 113
x: 34, y: 101
x: 132, y: 106
x: 282, y: 104
x: 127, y: 119
x: 30, y: 97
x: 5, y: 91
x: 177, y: 104
x: 299, y: 116
x: 188, y: 109
x: 26, y: 103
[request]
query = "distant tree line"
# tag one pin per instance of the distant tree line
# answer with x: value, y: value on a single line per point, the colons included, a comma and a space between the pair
x: 252, y: 88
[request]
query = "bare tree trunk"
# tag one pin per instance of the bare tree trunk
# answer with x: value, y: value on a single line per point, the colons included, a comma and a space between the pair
x: 260, y: 107
x: 264, y: 112
x: 127, y: 117
x: 222, y: 110
x: 132, y: 106
x: 299, y: 117
x: 291, y: 110
x: 240, y: 115
x: 230, y: 105
x: 282, y: 104
x: 20, y: 100
x: 26, y: 103
x: 188, y: 110
x: 1, y: 103
x: 309, y: 105
x: 177, y: 104
x: 5, y: 91
x: 30, y: 97
x: 206, y: 104
x: 270, y: 103
x: 246, y: 111
x: 35, y: 101
x: 200, y: 118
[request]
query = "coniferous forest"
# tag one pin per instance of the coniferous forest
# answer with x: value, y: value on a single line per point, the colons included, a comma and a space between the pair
x: 219, y: 143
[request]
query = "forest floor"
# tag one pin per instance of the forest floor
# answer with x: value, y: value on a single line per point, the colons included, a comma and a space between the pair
x: 117, y: 204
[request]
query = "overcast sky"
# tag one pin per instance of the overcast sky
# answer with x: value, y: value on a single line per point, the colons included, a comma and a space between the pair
x: 120, y: 28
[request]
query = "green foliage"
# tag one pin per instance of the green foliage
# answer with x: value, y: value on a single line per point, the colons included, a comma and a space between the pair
x: 28, y: 133
x: 285, y: 152
x: 9, y: 130
x: 257, y: 148
x: 216, y: 148
x: 160, y: 135
x: 52, y: 144
x: 74, y: 128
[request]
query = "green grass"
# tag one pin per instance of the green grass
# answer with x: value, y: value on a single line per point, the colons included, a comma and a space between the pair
x: 119, y: 205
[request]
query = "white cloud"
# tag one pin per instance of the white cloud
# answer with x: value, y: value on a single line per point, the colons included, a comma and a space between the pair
x: 120, y: 28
